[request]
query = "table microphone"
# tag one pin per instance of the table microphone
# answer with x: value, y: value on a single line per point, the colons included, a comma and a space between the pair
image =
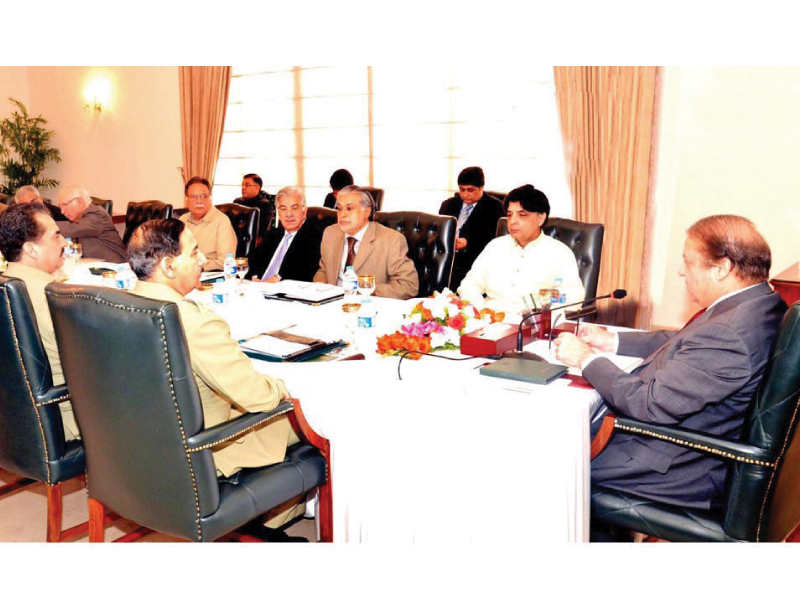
x: 518, y: 353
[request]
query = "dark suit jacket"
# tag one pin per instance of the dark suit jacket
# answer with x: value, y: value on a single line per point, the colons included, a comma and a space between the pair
x: 265, y: 203
x: 479, y: 230
x: 701, y: 378
x: 330, y: 201
x: 382, y: 252
x: 99, y: 238
x: 302, y: 257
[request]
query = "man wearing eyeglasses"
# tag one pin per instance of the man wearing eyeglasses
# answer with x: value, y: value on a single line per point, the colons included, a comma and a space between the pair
x: 91, y: 224
x: 254, y: 197
x: 212, y: 229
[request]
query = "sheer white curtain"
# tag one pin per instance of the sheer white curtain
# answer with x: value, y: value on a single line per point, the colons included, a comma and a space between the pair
x: 409, y: 130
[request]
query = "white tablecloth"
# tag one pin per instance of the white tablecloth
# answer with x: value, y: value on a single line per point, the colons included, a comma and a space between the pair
x: 444, y: 455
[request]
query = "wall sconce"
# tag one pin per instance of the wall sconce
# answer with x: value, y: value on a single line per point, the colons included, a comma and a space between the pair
x: 97, y: 95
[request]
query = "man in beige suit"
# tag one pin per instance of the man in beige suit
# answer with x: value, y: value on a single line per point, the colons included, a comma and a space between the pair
x: 166, y: 259
x: 370, y: 248
x: 33, y: 245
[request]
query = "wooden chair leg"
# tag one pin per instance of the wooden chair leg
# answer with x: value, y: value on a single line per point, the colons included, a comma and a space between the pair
x: 325, y: 507
x: 96, y: 521
x: 603, y: 436
x: 54, y: 513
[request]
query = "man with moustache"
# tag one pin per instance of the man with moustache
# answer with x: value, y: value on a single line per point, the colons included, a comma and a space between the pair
x: 209, y: 226
x: 33, y: 246
x: 168, y: 262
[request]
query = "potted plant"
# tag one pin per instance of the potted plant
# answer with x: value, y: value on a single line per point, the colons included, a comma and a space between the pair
x: 25, y: 151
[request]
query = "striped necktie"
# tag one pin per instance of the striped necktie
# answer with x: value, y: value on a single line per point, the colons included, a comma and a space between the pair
x: 466, y: 210
x: 275, y: 265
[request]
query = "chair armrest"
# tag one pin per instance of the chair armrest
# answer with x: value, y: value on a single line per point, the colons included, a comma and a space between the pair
x: 305, y: 432
x: 228, y: 430
x: 719, y: 447
x: 57, y: 393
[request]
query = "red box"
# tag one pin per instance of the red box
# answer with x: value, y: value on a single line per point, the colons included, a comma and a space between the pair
x: 476, y: 344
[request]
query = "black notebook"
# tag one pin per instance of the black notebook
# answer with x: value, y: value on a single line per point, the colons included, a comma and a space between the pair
x: 524, y: 370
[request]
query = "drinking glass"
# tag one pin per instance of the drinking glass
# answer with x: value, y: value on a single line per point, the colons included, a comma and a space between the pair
x: 350, y: 319
x: 77, y: 249
x: 242, y: 266
x: 366, y: 284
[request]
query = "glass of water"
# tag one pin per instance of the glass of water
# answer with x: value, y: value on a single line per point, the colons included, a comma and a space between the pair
x: 242, y: 267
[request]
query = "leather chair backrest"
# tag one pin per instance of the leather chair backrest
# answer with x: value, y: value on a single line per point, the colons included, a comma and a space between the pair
x: 31, y: 436
x: 431, y: 245
x: 771, y: 426
x: 108, y: 205
x: 5, y: 199
x: 377, y: 198
x: 584, y: 239
x: 321, y: 217
x: 137, y: 403
x: 140, y: 212
x: 245, y: 223
x: 499, y: 195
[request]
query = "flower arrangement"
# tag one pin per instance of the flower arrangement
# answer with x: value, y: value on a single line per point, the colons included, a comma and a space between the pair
x: 435, y: 324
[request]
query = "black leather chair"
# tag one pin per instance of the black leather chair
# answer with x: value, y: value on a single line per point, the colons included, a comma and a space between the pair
x: 377, y: 197
x: 32, y: 443
x: 499, y: 195
x: 140, y: 212
x: 586, y: 242
x: 321, y: 217
x: 431, y: 245
x: 148, y: 455
x: 245, y: 223
x: 5, y: 199
x: 763, y: 484
x: 108, y: 205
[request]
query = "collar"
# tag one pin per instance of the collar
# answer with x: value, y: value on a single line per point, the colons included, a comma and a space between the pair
x: 208, y: 217
x: 157, y: 291
x: 359, y: 235
x: 16, y: 269
x: 731, y: 295
x: 531, y: 244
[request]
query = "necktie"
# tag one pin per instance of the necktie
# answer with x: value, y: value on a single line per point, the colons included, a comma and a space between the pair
x: 351, y: 252
x: 275, y: 265
x: 466, y: 210
x: 694, y: 318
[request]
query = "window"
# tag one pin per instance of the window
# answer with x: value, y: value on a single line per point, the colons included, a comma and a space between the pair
x: 409, y: 130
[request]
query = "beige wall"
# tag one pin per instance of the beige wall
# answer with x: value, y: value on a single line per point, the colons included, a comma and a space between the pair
x: 729, y: 143
x: 129, y: 152
x: 14, y: 84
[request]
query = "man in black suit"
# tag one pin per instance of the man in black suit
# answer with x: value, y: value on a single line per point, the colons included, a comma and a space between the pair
x: 477, y: 215
x: 290, y: 251
x: 254, y: 197
x: 340, y: 179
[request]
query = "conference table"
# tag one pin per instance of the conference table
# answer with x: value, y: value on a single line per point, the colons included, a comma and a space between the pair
x: 443, y: 454
x: 433, y: 451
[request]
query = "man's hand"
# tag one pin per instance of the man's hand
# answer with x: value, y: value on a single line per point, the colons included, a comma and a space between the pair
x: 570, y: 350
x: 597, y: 337
x: 461, y: 243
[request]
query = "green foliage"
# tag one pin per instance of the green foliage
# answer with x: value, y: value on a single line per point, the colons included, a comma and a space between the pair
x: 24, y: 151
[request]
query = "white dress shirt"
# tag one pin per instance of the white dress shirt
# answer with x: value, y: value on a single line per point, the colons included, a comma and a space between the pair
x: 506, y: 272
x: 359, y: 236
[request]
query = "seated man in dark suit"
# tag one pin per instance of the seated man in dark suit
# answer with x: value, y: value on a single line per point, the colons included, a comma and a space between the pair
x: 369, y: 247
x: 340, y: 179
x: 91, y: 224
x: 290, y: 251
x: 254, y: 197
x: 477, y: 215
x: 702, y: 377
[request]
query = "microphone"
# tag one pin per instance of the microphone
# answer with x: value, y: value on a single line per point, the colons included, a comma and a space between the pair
x: 518, y: 353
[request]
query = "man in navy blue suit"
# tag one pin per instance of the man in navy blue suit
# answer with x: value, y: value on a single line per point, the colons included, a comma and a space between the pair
x: 477, y: 214
x: 290, y: 251
x: 702, y: 377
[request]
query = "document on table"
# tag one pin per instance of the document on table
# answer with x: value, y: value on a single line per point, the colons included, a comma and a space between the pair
x: 540, y: 347
x: 273, y: 346
x: 303, y: 291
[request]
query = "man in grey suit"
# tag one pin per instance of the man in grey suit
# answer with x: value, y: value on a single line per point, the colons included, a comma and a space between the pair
x: 702, y: 377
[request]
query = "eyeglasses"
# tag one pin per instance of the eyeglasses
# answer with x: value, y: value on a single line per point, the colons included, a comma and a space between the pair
x: 68, y: 202
x: 250, y: 185
x: 199, y: 197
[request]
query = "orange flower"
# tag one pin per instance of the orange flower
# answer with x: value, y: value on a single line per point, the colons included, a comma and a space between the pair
x: 457, y: 322
x: 425, y: 345
x: 498, y: 317
x: 427, y: 315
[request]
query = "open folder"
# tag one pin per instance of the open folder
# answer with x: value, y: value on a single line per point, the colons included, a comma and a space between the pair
x: 280, y: 346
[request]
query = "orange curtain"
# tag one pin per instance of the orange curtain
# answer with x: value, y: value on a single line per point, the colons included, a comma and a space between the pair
x: 204, y: 98
x: 608, y: 122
